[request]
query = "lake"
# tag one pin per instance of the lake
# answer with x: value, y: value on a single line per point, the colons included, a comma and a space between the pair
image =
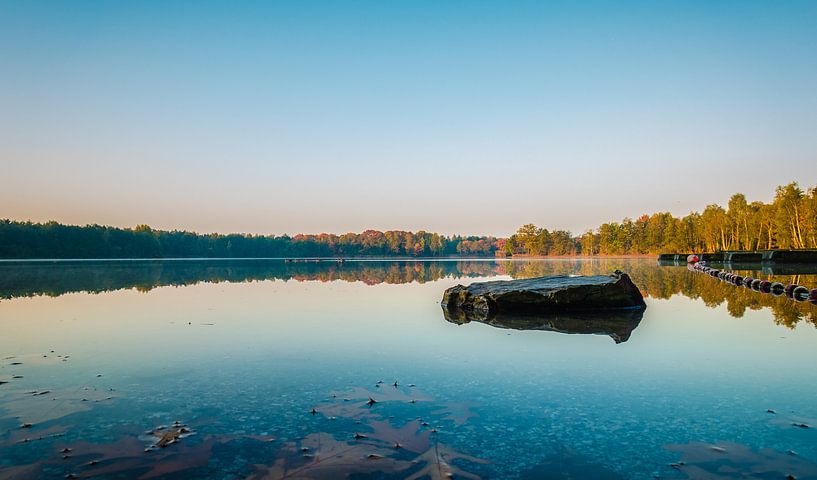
x: 265, y: 369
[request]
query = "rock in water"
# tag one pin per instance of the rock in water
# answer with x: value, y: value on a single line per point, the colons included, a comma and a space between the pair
x: 559, y: 293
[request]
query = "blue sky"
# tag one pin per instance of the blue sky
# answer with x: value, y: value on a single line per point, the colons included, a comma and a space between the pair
x: 457, y: 117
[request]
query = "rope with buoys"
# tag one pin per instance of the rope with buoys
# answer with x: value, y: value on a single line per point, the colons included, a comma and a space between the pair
x: 798, y: 293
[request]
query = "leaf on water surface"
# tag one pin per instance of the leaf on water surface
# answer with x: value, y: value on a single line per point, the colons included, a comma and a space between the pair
x: 728, y: 460
x: 386, y: 393
x: 344, y: 409
x: 355, y: 403
x: 37, y: 359
x: 41, y: 406
x: 438, y: 460
x: 324, y: 457
x: 788, y: 421
x: 33, y: 434
x: 165, y: 437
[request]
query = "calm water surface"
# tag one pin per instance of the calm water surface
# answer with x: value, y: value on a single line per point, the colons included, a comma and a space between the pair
x: 264, y: 369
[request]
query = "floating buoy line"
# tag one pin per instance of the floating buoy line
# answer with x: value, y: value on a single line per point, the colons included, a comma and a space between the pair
x: 797, y: 293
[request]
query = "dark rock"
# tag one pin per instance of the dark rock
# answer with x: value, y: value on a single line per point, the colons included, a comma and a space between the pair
x: 558, y: 293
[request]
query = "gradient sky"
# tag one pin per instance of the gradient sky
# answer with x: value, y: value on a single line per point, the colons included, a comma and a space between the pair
x: 449, y: 116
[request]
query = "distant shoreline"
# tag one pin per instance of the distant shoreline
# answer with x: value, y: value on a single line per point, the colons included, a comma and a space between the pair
x: 542, y: 257
x: 321, y: 259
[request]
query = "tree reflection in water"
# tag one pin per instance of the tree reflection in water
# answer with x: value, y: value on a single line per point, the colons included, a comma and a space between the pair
x: 24, y: 279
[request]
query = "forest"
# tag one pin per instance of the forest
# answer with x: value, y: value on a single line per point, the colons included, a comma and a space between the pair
x: 55, y: 240
x: 789, y: 221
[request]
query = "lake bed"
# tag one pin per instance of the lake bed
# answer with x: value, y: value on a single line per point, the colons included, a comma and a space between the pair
x: 330, y: 369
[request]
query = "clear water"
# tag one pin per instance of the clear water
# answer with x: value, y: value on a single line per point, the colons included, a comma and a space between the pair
x: 98, y: 355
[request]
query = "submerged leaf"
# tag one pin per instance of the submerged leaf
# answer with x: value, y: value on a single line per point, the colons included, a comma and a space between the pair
x: 728, y: 460
x: 410, y: 436
x: 438, y: 464
x: 328, y: 458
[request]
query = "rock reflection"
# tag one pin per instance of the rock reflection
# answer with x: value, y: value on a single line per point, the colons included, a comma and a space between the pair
x: 618, y: 325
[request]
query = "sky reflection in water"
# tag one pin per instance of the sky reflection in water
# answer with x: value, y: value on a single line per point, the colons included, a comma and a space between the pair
x: 242, y: 363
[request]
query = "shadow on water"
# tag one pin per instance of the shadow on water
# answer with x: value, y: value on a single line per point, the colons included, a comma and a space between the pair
x: 618, y: 325
x: 26, y: 279
x: 565, y: 464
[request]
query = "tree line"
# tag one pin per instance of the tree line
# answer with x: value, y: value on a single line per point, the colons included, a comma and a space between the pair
x: 55, y: 240
x: 788, y: 222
